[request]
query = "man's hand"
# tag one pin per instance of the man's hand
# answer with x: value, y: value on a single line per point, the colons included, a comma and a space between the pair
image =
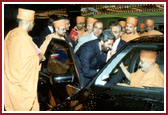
x: 110, y: 54
x: 42, y: 57
x: 121, y: 64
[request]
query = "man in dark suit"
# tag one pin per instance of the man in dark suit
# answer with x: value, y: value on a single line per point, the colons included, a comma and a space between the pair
x: 92, y: 55
x: 116, y: 29
x: 49, y: 29
x: 117, y: 32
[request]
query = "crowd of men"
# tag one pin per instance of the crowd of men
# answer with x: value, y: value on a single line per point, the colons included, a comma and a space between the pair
x: 92, y: 46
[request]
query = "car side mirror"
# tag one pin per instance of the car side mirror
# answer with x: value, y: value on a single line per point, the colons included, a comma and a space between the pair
x: 65, y: 79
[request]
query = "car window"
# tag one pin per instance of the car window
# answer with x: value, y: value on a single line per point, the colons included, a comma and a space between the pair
x: 110, y: 67
x: 59, y: 59
x: 131, y: 61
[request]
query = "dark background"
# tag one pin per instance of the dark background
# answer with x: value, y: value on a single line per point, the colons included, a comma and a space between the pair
x: 10, y: 13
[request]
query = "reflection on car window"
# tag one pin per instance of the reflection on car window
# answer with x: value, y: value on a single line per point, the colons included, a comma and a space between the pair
x: 58, y: 59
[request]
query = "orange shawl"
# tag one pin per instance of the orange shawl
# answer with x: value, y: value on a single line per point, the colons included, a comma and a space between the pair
x: 153, y: 78
x: 128, y: 37
x: 153, y: 32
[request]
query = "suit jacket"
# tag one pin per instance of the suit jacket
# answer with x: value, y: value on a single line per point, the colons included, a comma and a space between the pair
x: 153, y: 77
x: 89, y: 58
x: 43, y: 34
x: 83, y: 40
x: 121, y: 43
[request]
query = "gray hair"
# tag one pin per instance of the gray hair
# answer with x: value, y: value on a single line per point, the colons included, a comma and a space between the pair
x: 106, y: 35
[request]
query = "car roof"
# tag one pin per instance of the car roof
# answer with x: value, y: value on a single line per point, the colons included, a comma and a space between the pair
x: 148, y: 39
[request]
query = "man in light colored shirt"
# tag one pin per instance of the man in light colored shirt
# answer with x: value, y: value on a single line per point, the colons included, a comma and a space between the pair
x: 97, y: 30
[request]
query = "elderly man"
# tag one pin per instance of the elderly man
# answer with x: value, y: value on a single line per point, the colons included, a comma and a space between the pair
x: 149, y: 74
x: 21, y: 66
x: 131, y: 29
x: 150, y: 28
x: 79, y: 29
x: 97, y: 30
x: 92, y: 55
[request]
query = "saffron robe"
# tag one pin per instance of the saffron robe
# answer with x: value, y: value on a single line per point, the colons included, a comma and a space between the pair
x: 153, y: 78
x: 128, y: 37
x: 153, y: 32
x: 21, y: 69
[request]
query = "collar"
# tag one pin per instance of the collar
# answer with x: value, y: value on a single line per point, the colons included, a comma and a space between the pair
x: 51, y: 29
x: 93, y: 36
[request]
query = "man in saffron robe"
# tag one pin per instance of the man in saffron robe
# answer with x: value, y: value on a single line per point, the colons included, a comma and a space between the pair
x: 60, y: 29
x: 79, y: 29
x: 131, y: 29
x: 149, y: 74
x: 123, y: 24
x: 21, y: 66
x: 150, y: 29
x: 141, y: 28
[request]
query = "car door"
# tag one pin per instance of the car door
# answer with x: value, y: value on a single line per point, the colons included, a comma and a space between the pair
x: 145, y: 97
x: 59, y: 73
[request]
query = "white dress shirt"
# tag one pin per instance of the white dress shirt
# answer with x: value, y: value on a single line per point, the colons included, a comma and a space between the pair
x: 115, y: 45
x: 51, y: 29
